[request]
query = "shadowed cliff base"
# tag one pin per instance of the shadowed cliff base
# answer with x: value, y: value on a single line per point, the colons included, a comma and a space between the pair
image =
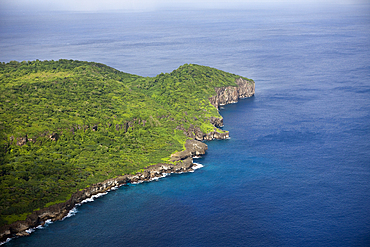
x: 97, y: 124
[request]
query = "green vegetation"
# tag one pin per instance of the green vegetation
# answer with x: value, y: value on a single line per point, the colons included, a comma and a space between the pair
x: 65, y: 125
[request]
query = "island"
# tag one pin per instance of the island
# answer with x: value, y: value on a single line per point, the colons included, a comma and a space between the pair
x: 72, y: 129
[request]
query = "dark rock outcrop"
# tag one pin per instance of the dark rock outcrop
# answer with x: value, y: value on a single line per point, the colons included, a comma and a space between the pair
x: 54, y: 136
x: 11, y: 139
x: 230, y: 94
x: 216, y: 135
x: 182, y: 162
x: 22, y: 140
x: 195, y: 132
x: 217, y: 122
x: 192, y: 148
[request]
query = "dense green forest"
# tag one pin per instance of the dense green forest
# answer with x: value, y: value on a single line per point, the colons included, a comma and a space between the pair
x: 65, y: 125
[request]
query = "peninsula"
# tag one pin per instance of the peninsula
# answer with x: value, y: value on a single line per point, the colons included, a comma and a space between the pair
x: 71, y: 129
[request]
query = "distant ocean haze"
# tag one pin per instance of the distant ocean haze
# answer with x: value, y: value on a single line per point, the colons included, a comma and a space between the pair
x: 296, y: 169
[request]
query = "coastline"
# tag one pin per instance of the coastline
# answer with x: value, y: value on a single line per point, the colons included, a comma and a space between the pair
x: 183, y: 163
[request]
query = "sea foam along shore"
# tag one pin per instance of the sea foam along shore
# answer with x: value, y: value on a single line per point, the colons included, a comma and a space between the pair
x: 183, y: 159
x: 74, y: 210
x: 155, y: 172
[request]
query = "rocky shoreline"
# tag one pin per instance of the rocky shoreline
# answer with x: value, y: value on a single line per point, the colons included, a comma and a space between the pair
x: 181, y: 162
x: 230, y: 94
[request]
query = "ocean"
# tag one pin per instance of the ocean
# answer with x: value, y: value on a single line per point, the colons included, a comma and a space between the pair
x: 296, y: 170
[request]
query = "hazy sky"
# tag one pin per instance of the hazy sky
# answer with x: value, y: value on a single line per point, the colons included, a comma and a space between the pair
x: 143, y: 5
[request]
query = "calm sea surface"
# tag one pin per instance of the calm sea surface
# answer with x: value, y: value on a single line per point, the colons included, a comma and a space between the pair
x: 296, y: 171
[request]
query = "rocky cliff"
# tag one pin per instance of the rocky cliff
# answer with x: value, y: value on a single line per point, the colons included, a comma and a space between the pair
x: 196, y: 133
x: 180, y: 162
x: 230, y: 94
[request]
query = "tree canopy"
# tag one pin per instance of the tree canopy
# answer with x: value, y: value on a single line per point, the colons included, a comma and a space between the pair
x: 66, y: 124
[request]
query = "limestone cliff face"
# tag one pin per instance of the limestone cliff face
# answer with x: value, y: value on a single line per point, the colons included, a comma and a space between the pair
x: 230, y: 94
x: 224, y: 95
x: 192, y: 148
x: 196, y: 133
x: 183, y: 163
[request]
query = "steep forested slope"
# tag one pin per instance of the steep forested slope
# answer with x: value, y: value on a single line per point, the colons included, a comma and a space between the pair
x: 66, y: 124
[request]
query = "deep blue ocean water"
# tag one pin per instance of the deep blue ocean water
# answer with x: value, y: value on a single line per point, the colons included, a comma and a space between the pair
x: 296, y: 171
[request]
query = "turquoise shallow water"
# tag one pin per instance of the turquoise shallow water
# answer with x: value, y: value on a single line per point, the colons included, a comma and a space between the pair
x: 296, y: 171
